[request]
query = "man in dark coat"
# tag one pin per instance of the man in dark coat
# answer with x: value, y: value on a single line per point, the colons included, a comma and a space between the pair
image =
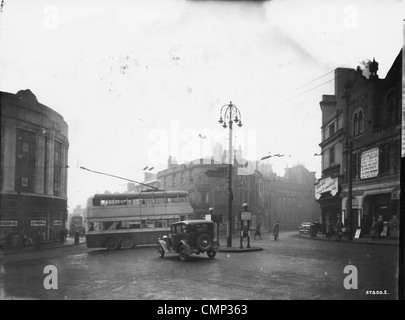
x: 276, y: 230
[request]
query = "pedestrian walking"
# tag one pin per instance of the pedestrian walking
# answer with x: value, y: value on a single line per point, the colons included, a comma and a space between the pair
x: 373, y: 230
x: 38, y: 240
x: 276, y: 229
x: 339, y: 230
x: 328, y: 228
x: 62, y: 236
x: 257, y: 232
x: 380, y: 227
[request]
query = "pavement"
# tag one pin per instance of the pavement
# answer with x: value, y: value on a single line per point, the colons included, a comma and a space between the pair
x: 366, y: 239
x: 45, y: 246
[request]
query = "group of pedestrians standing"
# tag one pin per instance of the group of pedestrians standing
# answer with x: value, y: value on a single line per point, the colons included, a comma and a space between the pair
x: 276, y: 229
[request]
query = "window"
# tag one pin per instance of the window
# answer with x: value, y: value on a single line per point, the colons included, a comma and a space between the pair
x: 332, y: 129
x: 203, y: 196
x: 397, y: 155
x: 355, y: 125
x: 134, y: 224
x: 358, y: 119
x: 57, y: 171
x: 94, y: 226
x: 360, y: 128
x: 191, y: 178
x: 332, y: 156
x: 393, y: 108
x: 46, y: 165
x: 384, y: 159
x: 25, y: 160
x: 109, y: 225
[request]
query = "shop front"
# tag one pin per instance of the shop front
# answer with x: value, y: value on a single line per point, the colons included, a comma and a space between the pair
x: 371, y: 201
x: 30, y: 218
x: 327, y: 194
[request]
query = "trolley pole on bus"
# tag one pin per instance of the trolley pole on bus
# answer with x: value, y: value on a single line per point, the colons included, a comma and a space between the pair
x: 227, y: 114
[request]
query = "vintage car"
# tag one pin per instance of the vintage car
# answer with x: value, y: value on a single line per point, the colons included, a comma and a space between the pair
x: 305, y: 227
x: 188, y: 237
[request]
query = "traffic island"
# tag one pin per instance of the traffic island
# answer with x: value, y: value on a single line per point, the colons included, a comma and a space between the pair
x: 239, y: 250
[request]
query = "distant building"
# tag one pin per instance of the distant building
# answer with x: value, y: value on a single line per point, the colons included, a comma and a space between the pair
x: 33, y: 175
x: 363, y: 149
x: 289, y: 199
x: 292, y: 198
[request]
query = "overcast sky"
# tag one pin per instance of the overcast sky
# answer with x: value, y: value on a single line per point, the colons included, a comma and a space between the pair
x: 137, y: 81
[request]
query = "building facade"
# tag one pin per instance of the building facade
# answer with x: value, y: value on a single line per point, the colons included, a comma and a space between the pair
x: 288, y: 199
x: 292, y: 198
x: 369, y: 146
x: 33, y: 175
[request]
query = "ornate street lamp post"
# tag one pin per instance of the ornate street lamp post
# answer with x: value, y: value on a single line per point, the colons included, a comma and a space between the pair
x: 230, y: 113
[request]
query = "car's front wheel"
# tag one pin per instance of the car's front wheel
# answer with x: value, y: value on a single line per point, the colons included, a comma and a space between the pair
x: 183, y: 253
x: 160, y: 251
x: 211, y: 254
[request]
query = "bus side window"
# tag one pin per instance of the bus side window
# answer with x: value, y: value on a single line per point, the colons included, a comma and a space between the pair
x: 134, y: 224
x: 108, y: 225
x: 94, y: 226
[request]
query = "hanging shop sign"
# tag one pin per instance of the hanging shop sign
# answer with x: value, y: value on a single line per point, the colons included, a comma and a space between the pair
x: 326, y: 185
x: 369, y: 164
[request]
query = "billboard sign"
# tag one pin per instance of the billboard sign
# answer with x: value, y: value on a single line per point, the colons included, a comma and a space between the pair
x: 369, y: 163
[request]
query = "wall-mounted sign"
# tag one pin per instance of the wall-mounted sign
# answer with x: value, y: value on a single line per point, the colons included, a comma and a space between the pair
x: 38, y: 223
x: 326, y: 185
x: 369, y: 164
x: 57, y: 222
x: 8, y: 223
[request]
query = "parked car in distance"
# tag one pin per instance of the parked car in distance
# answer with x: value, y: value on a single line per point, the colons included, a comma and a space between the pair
x: 188, y: 237
x: 305, y: 227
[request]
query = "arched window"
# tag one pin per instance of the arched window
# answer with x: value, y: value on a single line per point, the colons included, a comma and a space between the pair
x: 355, y: 124
x: 358, y: 119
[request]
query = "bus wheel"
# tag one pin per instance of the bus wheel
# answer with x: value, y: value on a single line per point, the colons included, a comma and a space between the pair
x: 111, y: 244
x: 127, y: 243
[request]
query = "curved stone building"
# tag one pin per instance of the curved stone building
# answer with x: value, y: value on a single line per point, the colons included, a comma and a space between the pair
x: 33, y: 184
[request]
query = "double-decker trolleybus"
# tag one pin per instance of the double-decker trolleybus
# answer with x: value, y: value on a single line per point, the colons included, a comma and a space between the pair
x: 125, y: 220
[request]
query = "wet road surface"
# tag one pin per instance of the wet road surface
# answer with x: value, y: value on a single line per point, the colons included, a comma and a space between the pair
x: 291, y: 268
